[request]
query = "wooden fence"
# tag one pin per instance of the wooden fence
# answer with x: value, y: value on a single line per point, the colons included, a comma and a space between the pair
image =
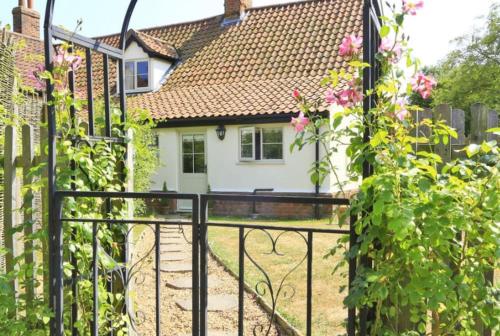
x: 481, y: 120
x: 21, y: 155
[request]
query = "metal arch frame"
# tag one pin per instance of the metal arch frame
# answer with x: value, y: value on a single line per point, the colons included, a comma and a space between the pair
x: 371, y: 25
x: 52, y: 32
x: 371, y: 40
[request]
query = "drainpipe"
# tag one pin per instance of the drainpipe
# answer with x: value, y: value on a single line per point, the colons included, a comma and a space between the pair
x: 316, y: 187
x: 254, y: 205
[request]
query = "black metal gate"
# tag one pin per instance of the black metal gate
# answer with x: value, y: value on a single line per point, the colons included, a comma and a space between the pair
x: 199, y: 222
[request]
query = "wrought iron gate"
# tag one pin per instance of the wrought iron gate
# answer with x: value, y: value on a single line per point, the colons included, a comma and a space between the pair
x: 199, y: 222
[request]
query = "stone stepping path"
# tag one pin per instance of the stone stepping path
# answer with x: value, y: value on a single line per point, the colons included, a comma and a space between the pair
x: 175, y: 249
x: 187, y: 283
x: 216, y: 303
x: 216, y: 333
x: 176, y: 267
x: 175, y: 256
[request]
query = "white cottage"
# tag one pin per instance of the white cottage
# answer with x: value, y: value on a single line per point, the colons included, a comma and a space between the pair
x: 220, y: 89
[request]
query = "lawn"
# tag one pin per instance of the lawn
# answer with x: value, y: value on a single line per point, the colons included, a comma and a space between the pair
x: 328, y: 312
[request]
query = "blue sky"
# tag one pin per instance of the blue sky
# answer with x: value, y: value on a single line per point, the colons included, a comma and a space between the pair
x: 430, y: 31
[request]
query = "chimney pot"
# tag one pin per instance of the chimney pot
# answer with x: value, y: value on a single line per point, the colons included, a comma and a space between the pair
x: 235, y: 8
x: 26, y: 19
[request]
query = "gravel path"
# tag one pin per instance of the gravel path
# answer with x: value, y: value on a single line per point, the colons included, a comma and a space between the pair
x: 174, y: 320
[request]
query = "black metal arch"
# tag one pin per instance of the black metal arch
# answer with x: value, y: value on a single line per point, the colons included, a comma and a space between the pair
x: 51, y: 33
x: 371, y: 25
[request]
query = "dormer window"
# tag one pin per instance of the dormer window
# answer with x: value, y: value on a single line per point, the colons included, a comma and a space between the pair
x: 137, y: 76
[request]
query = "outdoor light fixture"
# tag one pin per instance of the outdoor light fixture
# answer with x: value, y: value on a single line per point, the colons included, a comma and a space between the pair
x: 221, y: 132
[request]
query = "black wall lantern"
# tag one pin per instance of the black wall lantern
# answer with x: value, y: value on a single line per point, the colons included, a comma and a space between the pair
x: 221, y: 132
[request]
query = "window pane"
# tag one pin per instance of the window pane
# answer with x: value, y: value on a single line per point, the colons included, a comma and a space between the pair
x: 129, y: 69
x: 199, y: 144
x: 129, y: 76
x: 142, y: 81
x: 142, y: 68
x: 142, y: 74
x: 246, y: 137
x: 246, y: 151
x: 272, y: 152
x: 187, y: 144
x: 272, y: 135
x: 199, y: 163
x: 129, y: 83
x: 187, y: 163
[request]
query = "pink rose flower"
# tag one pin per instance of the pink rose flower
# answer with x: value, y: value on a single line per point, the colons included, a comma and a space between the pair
x: 345, y: 98
x: 300, y: 122
x: 401, y: 112
x: 351, y: 45
x: 411, y: 6
x: 35, y: 77
x: 423, y: 84
x: 391, y: 48
x: 330, y: 96
x: 296, y: 94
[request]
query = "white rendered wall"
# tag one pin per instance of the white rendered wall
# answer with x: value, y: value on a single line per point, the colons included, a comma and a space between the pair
x: 227, y: 173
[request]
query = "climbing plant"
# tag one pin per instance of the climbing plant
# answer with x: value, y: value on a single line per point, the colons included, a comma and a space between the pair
x: 430, y: 227
x: 82, y: 165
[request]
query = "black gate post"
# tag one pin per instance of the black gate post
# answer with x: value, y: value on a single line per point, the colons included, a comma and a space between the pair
x: 203, y: 267
x: 196, y: 263
x: 371, y: 41
x: 55, y: 231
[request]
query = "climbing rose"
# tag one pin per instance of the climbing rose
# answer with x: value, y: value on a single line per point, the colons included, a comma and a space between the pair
x: 345, y: 98
x: 300, y: 122
x: 330, y: 97
x: 411, y: 6
x: 401, y: 111
x: 62, y: 58
x: 351, y: 45
x: 393, y: 49
x: 296, y: 94
x: 423, y: 84
x: 35, y: 77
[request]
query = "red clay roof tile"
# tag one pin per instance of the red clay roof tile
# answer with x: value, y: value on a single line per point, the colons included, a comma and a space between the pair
x: 248, y: 68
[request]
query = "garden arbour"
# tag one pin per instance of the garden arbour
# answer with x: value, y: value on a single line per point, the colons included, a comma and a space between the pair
x: 383, y: 202
x: 83, y: 214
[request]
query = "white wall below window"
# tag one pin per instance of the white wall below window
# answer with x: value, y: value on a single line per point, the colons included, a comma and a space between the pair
x: 227, y: 173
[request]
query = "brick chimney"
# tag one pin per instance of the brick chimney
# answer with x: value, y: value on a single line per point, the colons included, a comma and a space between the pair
x: 235, y: 8
x: 26, y: 19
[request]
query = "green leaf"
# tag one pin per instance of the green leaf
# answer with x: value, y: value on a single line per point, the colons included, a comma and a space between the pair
x: 495, y: 130
x: 384, y: 31
x: 378, y: 138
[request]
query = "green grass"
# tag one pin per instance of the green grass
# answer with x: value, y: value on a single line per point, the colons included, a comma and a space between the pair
x: 328, y: 311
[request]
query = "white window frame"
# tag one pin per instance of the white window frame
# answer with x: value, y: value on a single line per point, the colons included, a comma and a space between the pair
x: 240, y: 144
x: 271, y: 143
x: 259, y: 129
x: 189, y: 134
x: 136, y: 89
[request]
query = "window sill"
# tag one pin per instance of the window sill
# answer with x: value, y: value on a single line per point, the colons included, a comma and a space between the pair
x: 260, y: 162
x: 142, y: 90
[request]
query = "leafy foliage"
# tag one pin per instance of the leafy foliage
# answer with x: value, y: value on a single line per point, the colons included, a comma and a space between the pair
x: 82, y: 165
x: 430, y: 227
x: 470, y: 73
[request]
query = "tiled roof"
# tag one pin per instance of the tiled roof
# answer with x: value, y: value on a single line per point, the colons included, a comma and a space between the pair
x: 251, y: 67
x: 154, y: 45
x: 29, y: 53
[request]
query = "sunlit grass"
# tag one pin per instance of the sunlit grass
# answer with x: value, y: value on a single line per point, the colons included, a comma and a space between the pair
x: 328, y: 311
